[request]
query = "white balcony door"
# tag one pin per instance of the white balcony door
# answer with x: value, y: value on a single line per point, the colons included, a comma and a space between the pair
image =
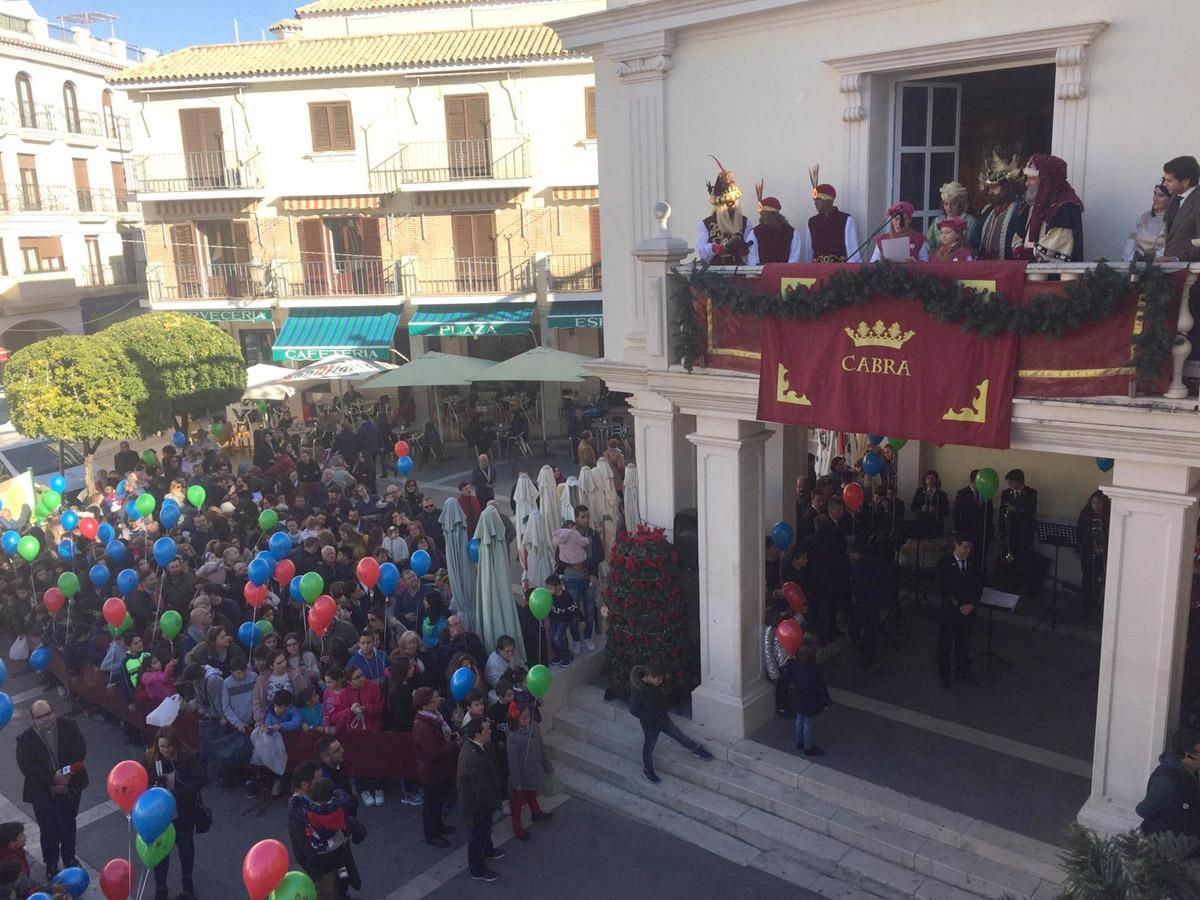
x: 926, y: 144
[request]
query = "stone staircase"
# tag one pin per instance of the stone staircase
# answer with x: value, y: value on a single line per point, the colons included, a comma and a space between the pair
x: 818, y: 826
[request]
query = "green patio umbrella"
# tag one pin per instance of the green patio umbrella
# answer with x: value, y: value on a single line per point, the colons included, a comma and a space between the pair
x: 495, y: 606
x: 431, y: 370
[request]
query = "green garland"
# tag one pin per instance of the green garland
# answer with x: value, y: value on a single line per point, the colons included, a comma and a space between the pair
x: 1090, y: 298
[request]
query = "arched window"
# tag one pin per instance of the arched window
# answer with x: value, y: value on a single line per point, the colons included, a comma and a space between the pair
x: 25, y: 108
x: 71, y: 108
x: 110, y: 118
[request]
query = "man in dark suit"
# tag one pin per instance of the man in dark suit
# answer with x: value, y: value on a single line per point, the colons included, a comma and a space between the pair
x: 1018, y: 507
x: 1182, y: 220
x: 480, y: 793
x: 960, y: 580
x: 50, y: 754
x: 972, y: 516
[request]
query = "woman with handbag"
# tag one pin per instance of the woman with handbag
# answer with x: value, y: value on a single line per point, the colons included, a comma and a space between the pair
x: 172, y: 765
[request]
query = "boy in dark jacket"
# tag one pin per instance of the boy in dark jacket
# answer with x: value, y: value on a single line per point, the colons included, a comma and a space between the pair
x: 1172, y: 801
x: 564, y: 612
x: 809, y: 696
x: 648, y: 704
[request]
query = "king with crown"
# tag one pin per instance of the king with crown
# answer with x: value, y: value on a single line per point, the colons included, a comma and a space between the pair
x: 724, y: 238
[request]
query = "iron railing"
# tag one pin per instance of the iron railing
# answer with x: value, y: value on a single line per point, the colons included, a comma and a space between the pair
x: 12, y: 23
x: 63, y: 120
x: 430, y: 162
x: 115, y: 274
x: 473, y: 275
x: 348, y: 276
x: 45, y: 198
x: 215, y: 170
x: 217, y: 281
x: 574, y: 272
x: 134, y: 53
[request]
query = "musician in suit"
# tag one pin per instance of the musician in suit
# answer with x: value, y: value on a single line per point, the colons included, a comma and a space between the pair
x: 960, y: 580
x: 1018, y: 515
x: 973, y: 517
x: 1180, y: 177
x: 930, y: 503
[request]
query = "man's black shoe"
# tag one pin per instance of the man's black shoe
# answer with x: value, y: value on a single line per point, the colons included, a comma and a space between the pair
x: 486, y: 875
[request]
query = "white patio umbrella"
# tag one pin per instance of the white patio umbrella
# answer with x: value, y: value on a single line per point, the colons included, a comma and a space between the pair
x: 459, y: 565
x: 565, y: 500
x: 337, y: 368
x: 539, y: 554
x: 548, y: 502
x: 524, y: 502
x: 633, y: 513
x: 261, y: 383
x: 606, y: 511
x: 495, y: 606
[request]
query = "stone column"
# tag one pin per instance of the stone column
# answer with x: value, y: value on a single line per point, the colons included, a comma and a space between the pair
x: 785, y: 459
x: 1150, y: 547
x: 666, y: 461
x: 733, y: 699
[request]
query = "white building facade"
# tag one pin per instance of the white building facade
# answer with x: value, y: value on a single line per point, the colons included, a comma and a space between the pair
x: 891, y: 98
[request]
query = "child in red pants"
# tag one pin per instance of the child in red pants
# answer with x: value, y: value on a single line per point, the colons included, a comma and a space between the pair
x: 527, y: 766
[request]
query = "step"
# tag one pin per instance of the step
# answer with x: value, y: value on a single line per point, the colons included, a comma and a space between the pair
x: 830, y: 857
x: 1009, y: 849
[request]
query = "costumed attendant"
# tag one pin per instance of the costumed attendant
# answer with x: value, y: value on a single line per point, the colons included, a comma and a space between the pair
x: 724, y: 238
x: 954, y: 206
x: 901, y: 216
x: 775, y: 240
x: 832, y: 236
x: 951, y: 247
x: 1002, y: 223
x: 1055, y: 230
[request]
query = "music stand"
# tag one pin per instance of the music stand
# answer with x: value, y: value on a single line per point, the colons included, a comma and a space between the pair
x: 994, y: 600
x: 916, y: 530
x: 1057, y: 536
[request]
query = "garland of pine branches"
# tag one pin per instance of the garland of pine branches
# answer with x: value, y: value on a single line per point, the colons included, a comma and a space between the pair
x: 1090, y: 298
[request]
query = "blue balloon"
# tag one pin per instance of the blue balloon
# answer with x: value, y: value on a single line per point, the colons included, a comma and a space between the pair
x: 294, y: 589
x: 462, y: 682
x: 58, y: 483
x: 153, y: 812
x: 389, y: 577
x: 115, y: 550
x: 105, y: 533
x: 164, y: 550
x: 248, y: 635
x: 6, y: 709
x: 40, y: 895
x: 875, y: 439
x: 873, y: 463
x: 404, y: 465
x: 168, y: 515
x: 420, y: 562
x: 121, y: 488
x: 259, y: 571
x: 69, y: 519
x: 39, y: 659
x: 280, y: 544
x: 132, y: 512
x: 1103, y: 463
x: 9, y: 542
x: 127, y: 580
x: 66, y: 548
x: 99, y: 575
x: 3, y: 673
x: 473, y: 549
x: 782, y: 535
x: 74, y: 879
x: 179, y: 439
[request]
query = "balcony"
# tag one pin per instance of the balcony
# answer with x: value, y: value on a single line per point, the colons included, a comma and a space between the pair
x: 58, y: 198
x: 348, y: 277
x: 573, y: 272
x: 230, y: 171
x: 473, y: 275
x: 56, y: 120
x: 433, y: 165
x: 112, y: 275
x: 218, y: 281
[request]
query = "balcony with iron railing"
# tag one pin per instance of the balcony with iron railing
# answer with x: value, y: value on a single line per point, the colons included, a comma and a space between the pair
x: 111, y: 275
x: 217, y: 281
x: 473, y: 275
x: 200, y: 172
x: 59, y: 198
x: 572, y: 272
x: 58, y: 120
x: 429, y: 163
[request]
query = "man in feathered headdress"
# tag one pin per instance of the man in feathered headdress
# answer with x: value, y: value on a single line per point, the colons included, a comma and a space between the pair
x: 832, y: 236
x: 1002, y: 222
x: 724, y: 238
x: 1055, y: 229
x: 775, y: 240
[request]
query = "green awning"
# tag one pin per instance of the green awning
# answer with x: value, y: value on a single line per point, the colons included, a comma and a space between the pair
x: 471, y: 321
x: 310, y: 335
x: 576, y: 314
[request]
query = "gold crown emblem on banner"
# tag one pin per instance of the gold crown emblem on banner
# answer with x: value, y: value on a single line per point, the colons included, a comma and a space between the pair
x: 879, y: 335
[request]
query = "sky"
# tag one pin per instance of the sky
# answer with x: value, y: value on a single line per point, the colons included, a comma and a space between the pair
x: 170, y: 24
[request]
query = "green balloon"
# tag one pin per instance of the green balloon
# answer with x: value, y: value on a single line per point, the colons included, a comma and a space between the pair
x: 261, y: 406
x: 68, y: 583
x: 311, y: 586
x: 537, y: 682
x: 29, y: 547
x: 216, y: 429
x: 156, y: 851
x: 195, y: 496
x: 268, y: 519
x: 540, y: 602
x: 986, y: 483
x: 170, y: 623
x: 264, y: 627
x: 149, y: 457
x: 897, y: 443
x: 145, y: 504
x: 295, y: 886
x: 124, y: 626
x: 50, y: 501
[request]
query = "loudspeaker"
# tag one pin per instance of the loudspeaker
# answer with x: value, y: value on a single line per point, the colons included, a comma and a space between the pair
x: 687, y: 539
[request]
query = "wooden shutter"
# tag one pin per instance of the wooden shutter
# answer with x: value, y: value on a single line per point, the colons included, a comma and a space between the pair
x: 463, y: 235
x: 341, y: 126
x: 589, y: 112
x: 371, y: 245
x: 318, y: 121
x: 119, y: 188
x: 484, y: 227
x: 183, y: 245
x: 201, y: 130
x: 81, y: 175
x: 241, y: 242
x: 456, y: 118
x: 312, y: 240
x: 594, y: 229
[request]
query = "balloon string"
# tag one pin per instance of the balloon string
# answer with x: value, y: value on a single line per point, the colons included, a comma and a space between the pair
x: 129, y: 836
x: 162, y: 577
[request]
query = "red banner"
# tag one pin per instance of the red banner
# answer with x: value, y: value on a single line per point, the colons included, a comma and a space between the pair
x: 889, y: 368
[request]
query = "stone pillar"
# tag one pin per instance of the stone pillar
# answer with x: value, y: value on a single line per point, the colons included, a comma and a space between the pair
x: 733, y: 699
x: 785, y: 459
x: 666, y: 461
x: 1150, y: 546
x: 657, y: 256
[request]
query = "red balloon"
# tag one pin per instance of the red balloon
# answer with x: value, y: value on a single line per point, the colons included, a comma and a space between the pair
x: 255, y: 594
x: 794, y: 594
x: 54, y: 600
x: 323, y: 609
x: 368, y: 571
x: 88, y: 527
x: 790, y: 635
x: 852, y: 496
x: 264, y: 867
x: 115, y: 880
x: 285, y: 571
x: 114, y: 611
x: 401, y: 448
x: 319, y: 626
x: 127, y: 781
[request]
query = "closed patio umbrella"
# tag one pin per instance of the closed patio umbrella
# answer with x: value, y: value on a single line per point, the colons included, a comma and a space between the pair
x: 524, y: 502
x: 632, y: 512
x: 548, y: 502
x: 539, y: 555
x: 459, y: 565
x: 496, y: 608
x: 606, y: 512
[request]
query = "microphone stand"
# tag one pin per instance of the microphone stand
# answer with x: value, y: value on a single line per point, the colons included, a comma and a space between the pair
x: 885, y: 224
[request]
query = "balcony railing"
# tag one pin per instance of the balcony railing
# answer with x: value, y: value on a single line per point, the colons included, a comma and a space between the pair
x: 357, y: 277
x: 52, y: 198
x: 40, y: 116
x: 116, y: 274
x: 218, y: 281
x: 431, y: 162
x: 574, y: 272
x: 217, y: 170
x: 12, y: 23
x: 134, y: 54
x: 48, y: 117
x: 473, y: 275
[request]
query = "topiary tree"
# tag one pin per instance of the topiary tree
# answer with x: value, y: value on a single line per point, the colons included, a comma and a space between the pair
x: 190, y: 367
x: 74, y: 388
